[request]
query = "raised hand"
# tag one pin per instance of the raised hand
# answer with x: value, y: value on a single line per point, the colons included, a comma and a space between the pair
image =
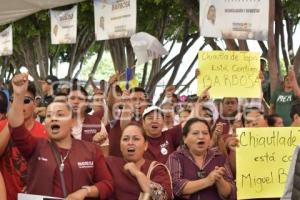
x: 132, y: 168
x: 100, y: 137
x: 20, y: 84
x: 169, y: 91
x: 204, y: 95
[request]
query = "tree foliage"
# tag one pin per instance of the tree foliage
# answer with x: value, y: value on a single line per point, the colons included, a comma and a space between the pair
x: 171, y: 21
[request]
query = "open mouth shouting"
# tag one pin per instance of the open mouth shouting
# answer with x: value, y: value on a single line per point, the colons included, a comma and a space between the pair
x: 55, y: 128
x: 201, y: 143
x: 131, y: 150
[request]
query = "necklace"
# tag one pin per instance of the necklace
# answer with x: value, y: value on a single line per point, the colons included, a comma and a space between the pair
x: 62, y: 160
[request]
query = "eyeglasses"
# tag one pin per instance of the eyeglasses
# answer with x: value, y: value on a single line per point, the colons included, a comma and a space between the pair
x: 26, y: 100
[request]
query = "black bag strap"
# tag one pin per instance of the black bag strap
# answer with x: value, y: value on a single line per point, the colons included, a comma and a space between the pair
x: 58, y: 161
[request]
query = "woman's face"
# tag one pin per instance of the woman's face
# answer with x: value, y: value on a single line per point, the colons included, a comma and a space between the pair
x: 58, y: 121
x: 133, y: 144
x: 198, y: 138
x: 78, y: 101
x: 98, y: 102
x: 211, y: 15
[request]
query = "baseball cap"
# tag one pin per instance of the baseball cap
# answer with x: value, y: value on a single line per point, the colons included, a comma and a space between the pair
x: 152, y: 109
x: 51, y: 79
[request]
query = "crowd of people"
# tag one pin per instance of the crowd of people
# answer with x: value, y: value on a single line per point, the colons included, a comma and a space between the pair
x: 116, y: 144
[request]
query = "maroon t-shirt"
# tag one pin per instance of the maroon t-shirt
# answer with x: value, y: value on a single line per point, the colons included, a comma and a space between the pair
x: 161, y: 147
x: 114, y: 136
x: 127, y: 186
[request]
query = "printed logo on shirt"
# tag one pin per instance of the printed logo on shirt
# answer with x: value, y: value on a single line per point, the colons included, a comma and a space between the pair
x: 284, y: 98
x: 90, y: 131
x: 42, y: 158
x: 164, y: 148
x: 85, y: 164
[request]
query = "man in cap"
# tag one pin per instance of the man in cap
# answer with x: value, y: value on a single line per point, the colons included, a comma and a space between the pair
x: 160, y: 143
x: 49, y: 87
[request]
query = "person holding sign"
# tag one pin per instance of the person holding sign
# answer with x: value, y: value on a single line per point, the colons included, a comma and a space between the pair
x: 59, y: 166
x: 134, y: 176
x: 281, y: 99
x: 199, y: 171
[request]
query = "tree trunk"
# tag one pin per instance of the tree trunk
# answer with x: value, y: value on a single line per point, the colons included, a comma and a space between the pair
x: 243, y: 46
x: 273, y: 65
x: 297, y: 62
x: 289, y: 30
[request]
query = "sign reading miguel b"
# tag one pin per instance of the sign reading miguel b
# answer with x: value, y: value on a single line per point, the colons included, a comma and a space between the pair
x: 230, y: 19
x: 263, y: 160
x: 114, y: 18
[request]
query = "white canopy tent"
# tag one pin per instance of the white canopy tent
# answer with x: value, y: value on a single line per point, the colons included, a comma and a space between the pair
x: 12, y: 10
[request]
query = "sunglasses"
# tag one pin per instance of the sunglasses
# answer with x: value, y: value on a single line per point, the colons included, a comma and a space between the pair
x: 26, y: 100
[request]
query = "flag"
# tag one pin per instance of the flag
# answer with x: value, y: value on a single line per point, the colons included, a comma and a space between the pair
x: 146, y: 47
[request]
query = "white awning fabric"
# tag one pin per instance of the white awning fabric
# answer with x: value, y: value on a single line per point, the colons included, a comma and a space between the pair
x: 12, y: 10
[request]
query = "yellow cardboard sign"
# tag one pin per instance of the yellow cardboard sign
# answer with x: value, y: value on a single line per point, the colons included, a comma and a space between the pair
x: 263, y: 160
x: 229, y: 73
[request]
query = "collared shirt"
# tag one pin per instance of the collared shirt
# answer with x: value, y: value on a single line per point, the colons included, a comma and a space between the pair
x: 183, y: 169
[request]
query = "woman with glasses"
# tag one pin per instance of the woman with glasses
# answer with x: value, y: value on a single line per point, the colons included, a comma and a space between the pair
x: 60, y: 166
x: 12, y: 164
x: 197, y: 171
x: 134, y: 176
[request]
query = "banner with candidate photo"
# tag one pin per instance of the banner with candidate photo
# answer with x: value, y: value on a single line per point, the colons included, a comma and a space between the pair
x: 6, y: 42
x: 114, y: 18
x: 238, y: 19
x: 64, y: 26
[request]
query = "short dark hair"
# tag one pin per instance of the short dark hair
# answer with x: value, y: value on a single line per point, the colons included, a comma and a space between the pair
x: 295, y: 109
x: 271, y: 119
x: 79, y: 88
x: 138, y: 89
x: 251, y: 109
x: 190, y: 122
x: 31, y: 88
x: 235, y: 98
x: 139, y: 126
x: 3, y: 103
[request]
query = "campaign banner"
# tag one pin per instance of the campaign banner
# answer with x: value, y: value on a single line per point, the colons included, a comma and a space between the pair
x: 146, y: 47
x: 6, y: 42
x: 246, y: 19
x: 263, y: 159
x: 64, y: 26
x: 114, y: 18
x: 229, y: 74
